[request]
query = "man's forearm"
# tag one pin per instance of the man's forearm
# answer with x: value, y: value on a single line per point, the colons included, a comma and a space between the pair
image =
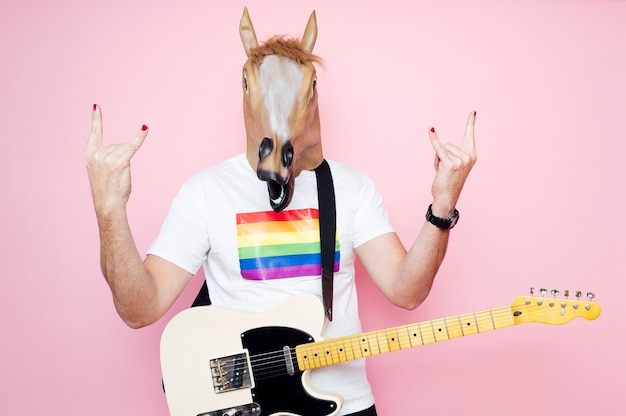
x: 134, y: 292
x: 416, y: 274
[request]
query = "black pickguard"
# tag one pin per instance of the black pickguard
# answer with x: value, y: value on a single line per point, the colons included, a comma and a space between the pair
x: 282, y: 392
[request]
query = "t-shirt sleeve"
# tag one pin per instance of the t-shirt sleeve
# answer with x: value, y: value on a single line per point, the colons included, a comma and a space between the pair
x: 371, y: 217
x: 183, y: 239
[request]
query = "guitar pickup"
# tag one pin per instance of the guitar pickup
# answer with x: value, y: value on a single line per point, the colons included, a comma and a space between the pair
x: 230, y: 373
x: 251, y: 409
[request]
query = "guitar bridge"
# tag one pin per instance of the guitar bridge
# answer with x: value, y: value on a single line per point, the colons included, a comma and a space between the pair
x: 230, y: 373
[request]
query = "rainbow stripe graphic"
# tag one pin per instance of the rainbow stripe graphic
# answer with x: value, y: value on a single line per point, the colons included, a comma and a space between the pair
x: 280, y: 245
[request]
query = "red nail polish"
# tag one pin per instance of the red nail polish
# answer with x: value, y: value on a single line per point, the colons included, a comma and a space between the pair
x: 474, y: 113
x: 144, y: 127
x: 432, y: 129
x: 94, y: 107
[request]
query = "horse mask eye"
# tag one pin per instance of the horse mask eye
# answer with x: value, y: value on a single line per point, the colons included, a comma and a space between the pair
x: 245, y: 84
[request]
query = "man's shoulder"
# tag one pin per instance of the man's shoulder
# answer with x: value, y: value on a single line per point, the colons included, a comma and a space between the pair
x: 344, y: 173
x: 234, y: 165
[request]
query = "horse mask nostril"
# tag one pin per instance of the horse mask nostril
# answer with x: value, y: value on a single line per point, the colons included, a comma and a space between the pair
x: 287, y: 154
x: 265, y: 148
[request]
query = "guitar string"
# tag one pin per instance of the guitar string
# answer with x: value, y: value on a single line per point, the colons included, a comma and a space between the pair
x: 402, y: 338
x: 271, y: 363
x: 259, y: 358
x: 277, y: 359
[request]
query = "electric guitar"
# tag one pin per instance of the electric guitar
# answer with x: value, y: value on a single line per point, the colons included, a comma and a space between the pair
x: 219, y: 362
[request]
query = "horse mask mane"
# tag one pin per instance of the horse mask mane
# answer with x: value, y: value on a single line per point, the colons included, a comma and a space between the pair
x: 280, y: 108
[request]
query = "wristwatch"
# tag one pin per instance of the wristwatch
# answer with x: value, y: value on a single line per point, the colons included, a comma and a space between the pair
x: 443, y: 223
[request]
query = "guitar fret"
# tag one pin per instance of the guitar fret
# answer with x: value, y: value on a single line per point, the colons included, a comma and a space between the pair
x: 335, y: 352
x: 351, y: 349
x: 382, y: 337
x: 461, y: 326
x: 436, y: 330
x: 421, y: 335
x: 382, y: 347
x: 373, y: 341
x: 387, y: 340
x: 485, y: 321
x: 468, y: 324
x: 409, y: 337
x: 428, y: 332
x: 492, y: 321
x: 376, y: 348
x: 453, y: 328
x: 476, y: 321
x: 398, y: 338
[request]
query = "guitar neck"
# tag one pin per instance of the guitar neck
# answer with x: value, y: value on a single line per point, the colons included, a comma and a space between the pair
x: 338, y: 350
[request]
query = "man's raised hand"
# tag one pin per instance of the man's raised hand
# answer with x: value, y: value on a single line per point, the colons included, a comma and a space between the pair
x: 109, y: 166
x: 452, y: 165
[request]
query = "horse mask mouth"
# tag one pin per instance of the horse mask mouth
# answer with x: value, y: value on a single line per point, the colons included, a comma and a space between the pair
x: 280, y: 194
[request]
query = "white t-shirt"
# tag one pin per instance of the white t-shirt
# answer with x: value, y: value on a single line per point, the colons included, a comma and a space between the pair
x: 253, y: 258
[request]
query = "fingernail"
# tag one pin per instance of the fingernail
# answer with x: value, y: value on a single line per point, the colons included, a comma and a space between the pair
x: 432, y: 129
x: 94, y: 107
x: 144, y: 127
x: 474, y: 113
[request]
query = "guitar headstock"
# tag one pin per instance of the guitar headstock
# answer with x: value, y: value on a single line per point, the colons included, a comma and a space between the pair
x: 550, y: 310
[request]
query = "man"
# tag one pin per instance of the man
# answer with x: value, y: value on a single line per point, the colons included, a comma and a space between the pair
x: 200, y: 230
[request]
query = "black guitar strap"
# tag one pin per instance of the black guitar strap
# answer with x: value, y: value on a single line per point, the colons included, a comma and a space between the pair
x: 328, y: 230
x: 202, y: 298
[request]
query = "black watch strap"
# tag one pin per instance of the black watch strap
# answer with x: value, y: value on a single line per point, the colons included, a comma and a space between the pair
x: 443, y: 223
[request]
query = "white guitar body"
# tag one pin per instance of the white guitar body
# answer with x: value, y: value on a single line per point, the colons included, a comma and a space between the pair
x: 194, y: 384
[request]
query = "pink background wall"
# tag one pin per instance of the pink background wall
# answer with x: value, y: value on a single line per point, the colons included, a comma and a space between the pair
x: 543, y: 206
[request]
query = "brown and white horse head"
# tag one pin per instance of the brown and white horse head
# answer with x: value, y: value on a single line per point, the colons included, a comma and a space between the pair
x: 280, y: 108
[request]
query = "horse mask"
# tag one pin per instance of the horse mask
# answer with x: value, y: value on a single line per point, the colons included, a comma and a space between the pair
x: 280, y: 108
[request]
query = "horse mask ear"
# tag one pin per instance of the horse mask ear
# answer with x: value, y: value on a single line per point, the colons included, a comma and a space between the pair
x: 310, y: 34
x: 246, y: 31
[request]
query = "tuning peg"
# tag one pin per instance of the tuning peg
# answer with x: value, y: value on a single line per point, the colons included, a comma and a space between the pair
x: 554, y: 292
x: 578, y: 294
x: 590, y: 296
x: 566, y: 294
x: 543, y: 291
x: 532, y: 291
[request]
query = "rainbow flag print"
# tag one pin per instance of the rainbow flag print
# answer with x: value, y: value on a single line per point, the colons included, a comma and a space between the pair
x: 280, y: 245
